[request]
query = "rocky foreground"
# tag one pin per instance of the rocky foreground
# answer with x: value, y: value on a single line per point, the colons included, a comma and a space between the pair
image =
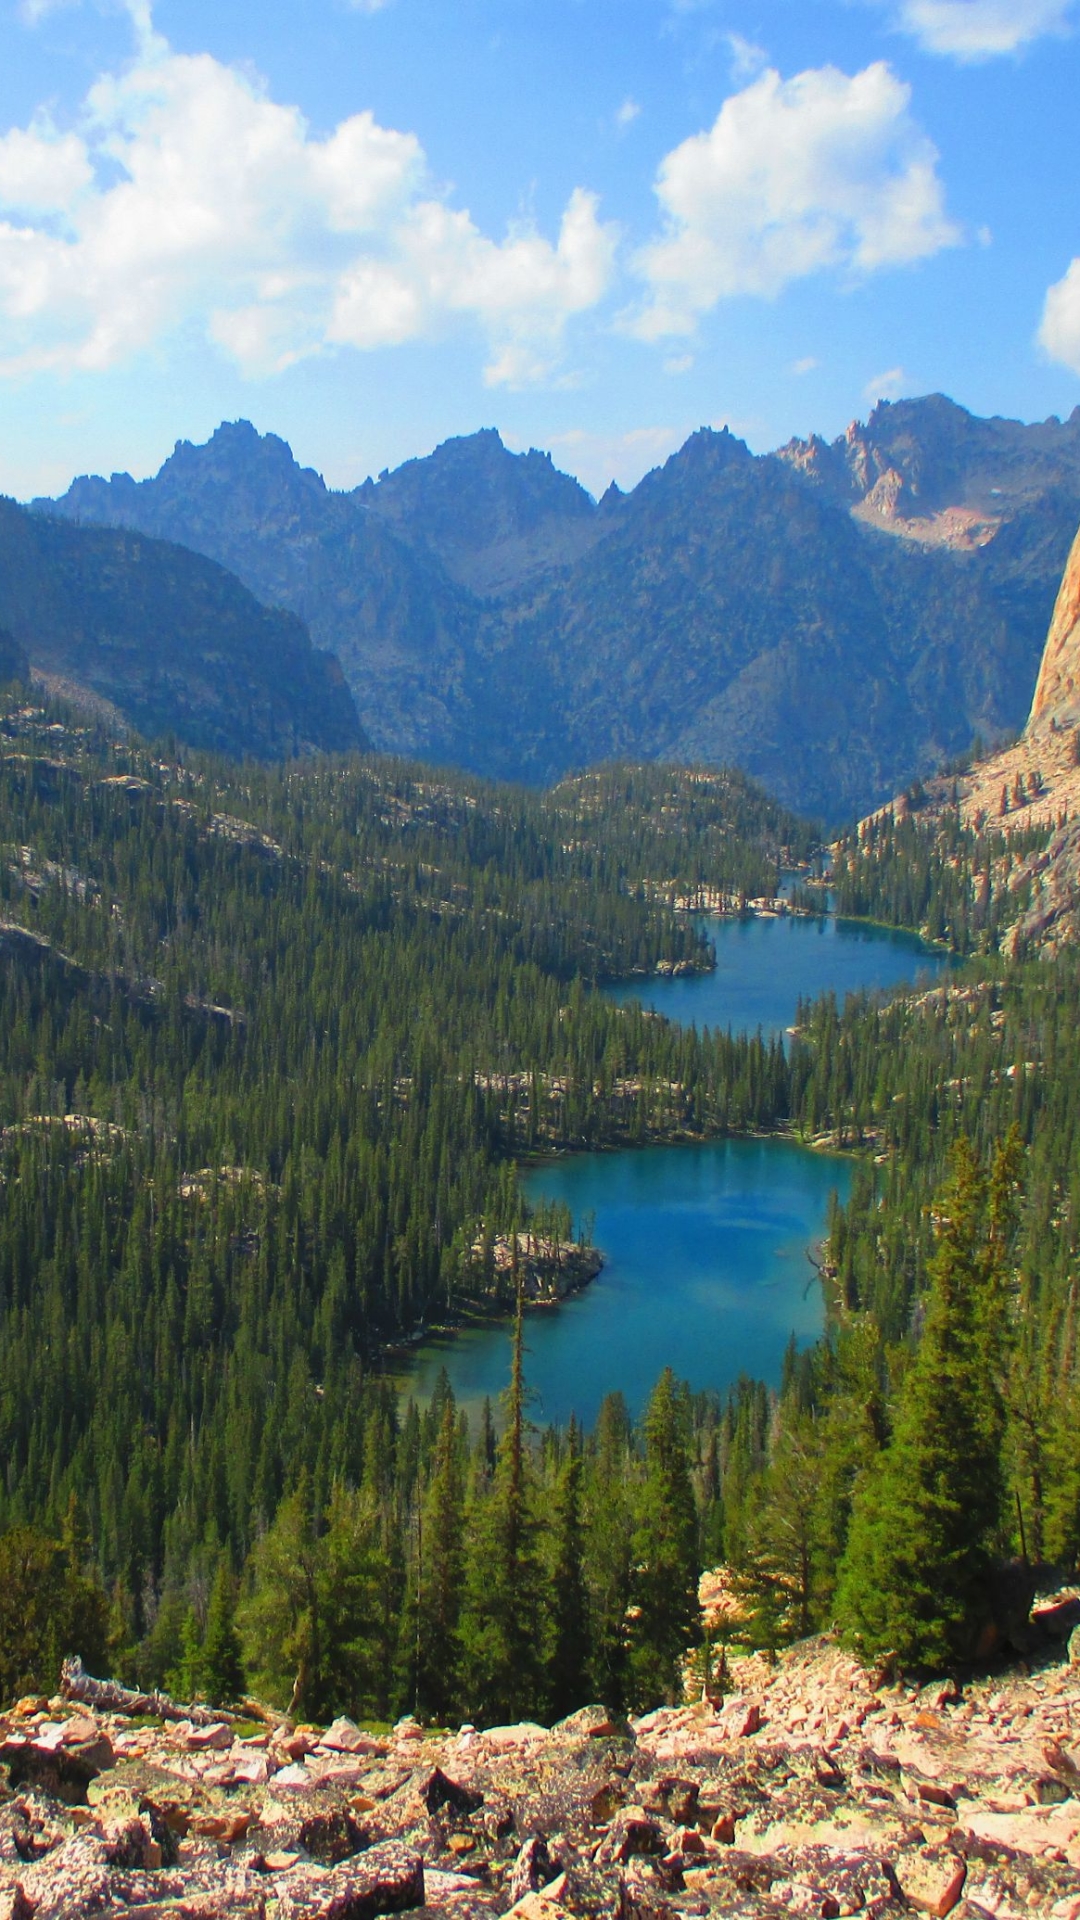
x: 811, y: 1790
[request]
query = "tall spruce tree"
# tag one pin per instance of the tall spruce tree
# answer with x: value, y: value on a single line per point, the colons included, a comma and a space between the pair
x: 502, y: 1629
x: 222, y: 1665
x: 439, y: 1576
x: 568, y: 1659
x: 926, y: 1517
x: 665, y: 1585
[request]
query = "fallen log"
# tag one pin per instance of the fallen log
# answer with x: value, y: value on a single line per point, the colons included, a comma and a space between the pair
x: 108, y: 1696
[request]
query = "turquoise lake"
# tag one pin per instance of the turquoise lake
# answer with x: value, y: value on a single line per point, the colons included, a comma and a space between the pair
x: 762, y: 966
x: 707, y: 1246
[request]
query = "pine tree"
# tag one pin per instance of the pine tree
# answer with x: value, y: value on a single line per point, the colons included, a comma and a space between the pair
x: 222, y: 1666
x: 569, y: 1656
x: 666, y: 1568
x: 441, y: 1554
x: 926, y: 1516
x: 503, y: 1612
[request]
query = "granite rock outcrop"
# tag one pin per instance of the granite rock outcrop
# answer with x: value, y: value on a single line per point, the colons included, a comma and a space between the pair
x: 811, y: 1788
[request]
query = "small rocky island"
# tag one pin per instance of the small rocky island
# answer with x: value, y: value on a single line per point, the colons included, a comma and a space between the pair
x: 545, y: 1268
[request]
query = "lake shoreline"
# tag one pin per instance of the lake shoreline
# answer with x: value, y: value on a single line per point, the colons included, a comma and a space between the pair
x: 705, y: 1247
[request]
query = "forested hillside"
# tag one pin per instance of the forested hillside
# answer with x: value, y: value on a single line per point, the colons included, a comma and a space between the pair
x: 270, y: 1042
x: 167, y: 640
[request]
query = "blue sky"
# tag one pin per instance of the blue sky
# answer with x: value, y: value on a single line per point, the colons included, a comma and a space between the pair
x: 594, y: 224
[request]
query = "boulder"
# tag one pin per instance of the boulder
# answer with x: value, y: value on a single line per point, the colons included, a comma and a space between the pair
x: 673, y: 1796
x: 59, y: 1766
x: 387, y: 1879
x: 632, y: 1832
x: 593, y: 1723
x: 440, y: 1791
x: 14, y: 1904
x: 931, y: 1879
x: 532, y: 1869
x: 333, y: 1836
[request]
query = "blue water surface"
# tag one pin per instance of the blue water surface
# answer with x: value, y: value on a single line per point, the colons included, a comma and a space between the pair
x: 763, y: 965
x: 707, y: 1270
x: 707, y: 1246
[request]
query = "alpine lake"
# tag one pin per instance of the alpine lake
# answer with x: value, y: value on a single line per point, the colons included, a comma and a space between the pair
x: 707, y: 1247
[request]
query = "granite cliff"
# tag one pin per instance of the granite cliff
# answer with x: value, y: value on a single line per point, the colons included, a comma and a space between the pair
x: 1026, y: 797
x: 835, y: 619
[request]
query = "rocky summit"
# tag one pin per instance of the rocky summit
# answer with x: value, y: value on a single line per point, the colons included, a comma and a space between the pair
x: 811, y: 1787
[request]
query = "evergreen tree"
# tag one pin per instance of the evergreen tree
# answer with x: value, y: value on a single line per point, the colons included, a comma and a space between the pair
x: 926, y: 1516
x: 222, y: 1666
x: 441, y: 1572
x: 568, y: 1659
x: 48, y: 1610
x: 666, y: 1570
x: 502, y: 1629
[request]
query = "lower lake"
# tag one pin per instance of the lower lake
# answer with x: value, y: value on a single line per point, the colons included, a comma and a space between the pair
x: 707, y: 1270
x: 707, y: 1246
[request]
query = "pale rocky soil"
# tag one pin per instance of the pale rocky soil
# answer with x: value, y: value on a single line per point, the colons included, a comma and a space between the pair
x: 809, y: 1790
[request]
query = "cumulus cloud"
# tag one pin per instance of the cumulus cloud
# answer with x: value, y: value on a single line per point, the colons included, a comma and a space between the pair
x: 980, y: 29
x: 41, y: 171
x: 825, y: 170
x: 1060, y: 330
x: 186, y: 198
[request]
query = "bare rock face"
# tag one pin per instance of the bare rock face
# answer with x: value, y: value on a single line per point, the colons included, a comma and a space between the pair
x: 1057, y: 690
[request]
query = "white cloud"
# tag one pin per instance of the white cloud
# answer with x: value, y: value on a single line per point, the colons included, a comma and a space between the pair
x: 821, y: 171
x: 41, y: 171
x: 979, y: 29
x: 747, y: 59
x: 885, y: 386
x: 34, y: 10
x: 1059, y: 333
x: 806, y: 365
x: 677, y: 363
x: 367, y: 6
x: 188, y: 199
x: 627, y: 113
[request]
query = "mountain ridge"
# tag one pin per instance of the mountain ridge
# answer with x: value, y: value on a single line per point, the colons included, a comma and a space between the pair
x: 835, y: 618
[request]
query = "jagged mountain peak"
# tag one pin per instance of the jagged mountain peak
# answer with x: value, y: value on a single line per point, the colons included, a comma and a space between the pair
x: 491, y: 516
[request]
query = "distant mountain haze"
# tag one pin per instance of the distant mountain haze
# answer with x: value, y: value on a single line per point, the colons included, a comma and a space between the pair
x: 167, y: 638
x: 833, y: 618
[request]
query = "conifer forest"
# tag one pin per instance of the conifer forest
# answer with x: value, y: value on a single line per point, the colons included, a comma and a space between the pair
x: 274, y: 1044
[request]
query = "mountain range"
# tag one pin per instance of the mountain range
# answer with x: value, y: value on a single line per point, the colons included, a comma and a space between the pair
x: 835, y: 618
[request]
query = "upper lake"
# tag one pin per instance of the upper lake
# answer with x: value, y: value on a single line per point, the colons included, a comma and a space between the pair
x: 763, y: 965
x: 707, y: 1245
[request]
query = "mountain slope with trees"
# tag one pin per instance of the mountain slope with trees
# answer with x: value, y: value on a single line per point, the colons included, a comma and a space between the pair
x: 168, y: 639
